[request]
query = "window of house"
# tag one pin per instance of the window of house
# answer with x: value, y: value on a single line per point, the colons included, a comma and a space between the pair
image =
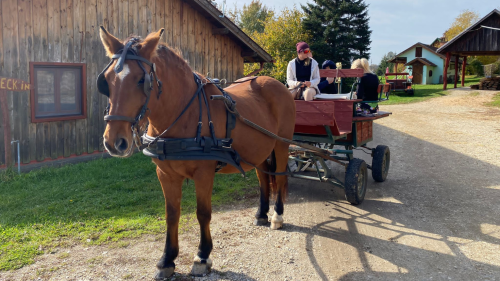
x: 58, y: 91
x: 430, y: 73
x: 418, y: 52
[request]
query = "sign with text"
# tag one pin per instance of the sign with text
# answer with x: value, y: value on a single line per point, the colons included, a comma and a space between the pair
x: 12, y: 84
x: 9, y: 84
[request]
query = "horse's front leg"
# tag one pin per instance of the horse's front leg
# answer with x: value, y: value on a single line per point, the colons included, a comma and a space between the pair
x: 172, y: 191
x: 204, y: 182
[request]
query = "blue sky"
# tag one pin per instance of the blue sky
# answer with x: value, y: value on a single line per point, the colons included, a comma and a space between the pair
x: 398, y: 24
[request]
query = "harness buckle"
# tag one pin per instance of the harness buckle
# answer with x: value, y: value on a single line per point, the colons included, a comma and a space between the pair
x: 151, y: 76
x: 137, y: 138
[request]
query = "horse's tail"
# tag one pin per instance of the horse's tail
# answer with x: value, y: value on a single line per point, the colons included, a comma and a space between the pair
x: 275, y: 189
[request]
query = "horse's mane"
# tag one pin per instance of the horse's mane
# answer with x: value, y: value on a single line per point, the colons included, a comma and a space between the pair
x: 171, y: 54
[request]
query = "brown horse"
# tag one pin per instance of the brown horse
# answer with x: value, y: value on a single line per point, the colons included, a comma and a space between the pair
x: 264, y: 101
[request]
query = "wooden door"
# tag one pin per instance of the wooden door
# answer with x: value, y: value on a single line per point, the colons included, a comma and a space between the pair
x: 418, y: 69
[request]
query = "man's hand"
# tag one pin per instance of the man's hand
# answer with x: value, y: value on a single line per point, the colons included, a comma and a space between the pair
x: 330, y: 80
x: 307, y: 83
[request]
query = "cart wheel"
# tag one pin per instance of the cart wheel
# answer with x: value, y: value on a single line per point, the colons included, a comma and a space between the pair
x: 380, y: 163
x: 355, y: 181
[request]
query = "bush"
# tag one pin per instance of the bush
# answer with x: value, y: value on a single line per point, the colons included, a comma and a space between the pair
x: 475, y: 67
x: 497, y: 71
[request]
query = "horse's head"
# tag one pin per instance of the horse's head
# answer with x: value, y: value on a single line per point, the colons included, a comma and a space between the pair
x: 128, y: 81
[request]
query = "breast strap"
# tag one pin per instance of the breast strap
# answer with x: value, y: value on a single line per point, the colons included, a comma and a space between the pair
x: 200, y: 147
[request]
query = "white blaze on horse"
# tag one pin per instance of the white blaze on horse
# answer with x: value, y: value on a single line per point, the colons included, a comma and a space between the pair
x: 190, y: 136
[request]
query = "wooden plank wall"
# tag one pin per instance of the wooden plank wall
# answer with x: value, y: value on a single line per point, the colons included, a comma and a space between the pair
x: 480, y: 40
x: 67, y: 31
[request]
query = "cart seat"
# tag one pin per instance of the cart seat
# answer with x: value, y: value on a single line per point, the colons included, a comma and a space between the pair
x: 333, y: 96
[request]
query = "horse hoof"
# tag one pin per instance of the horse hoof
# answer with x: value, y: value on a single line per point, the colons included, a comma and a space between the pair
x: 261, y: 222
x: 164, y: 273
x: 276, y: 221
x: 201, y: 266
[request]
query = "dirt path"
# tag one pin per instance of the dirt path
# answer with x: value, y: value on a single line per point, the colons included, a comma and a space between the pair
x: 437, y: 217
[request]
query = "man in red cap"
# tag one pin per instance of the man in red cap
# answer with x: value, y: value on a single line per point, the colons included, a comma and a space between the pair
x: 303, y: 69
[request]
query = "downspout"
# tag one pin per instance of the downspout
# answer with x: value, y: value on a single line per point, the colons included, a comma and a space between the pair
x: 258, y: 70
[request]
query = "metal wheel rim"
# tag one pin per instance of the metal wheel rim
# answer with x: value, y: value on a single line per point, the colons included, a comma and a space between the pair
x: 385, y: 165
x: 361, y: 183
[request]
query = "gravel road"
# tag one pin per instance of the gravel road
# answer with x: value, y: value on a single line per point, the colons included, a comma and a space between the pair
x: 437, y: 217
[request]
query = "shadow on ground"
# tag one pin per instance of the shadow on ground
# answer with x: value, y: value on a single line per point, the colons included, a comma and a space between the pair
x: 445, y: 200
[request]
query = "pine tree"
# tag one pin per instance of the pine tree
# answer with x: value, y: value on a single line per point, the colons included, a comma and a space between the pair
x: 339, y: 30
x: 384, y: 64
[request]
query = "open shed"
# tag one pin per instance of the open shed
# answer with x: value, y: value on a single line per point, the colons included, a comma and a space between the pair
x: 480, y: 39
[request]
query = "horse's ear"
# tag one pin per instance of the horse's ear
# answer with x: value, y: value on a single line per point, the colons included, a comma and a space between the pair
x: 111, y: 43
x: 149, y: 45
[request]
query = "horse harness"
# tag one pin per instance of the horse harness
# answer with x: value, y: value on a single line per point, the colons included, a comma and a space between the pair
x: 198, y: 148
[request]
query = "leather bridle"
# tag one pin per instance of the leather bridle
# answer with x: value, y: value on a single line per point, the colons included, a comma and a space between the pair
x: 128, y: 53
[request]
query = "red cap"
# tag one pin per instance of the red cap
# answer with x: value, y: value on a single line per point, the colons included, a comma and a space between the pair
x: 302, y: 46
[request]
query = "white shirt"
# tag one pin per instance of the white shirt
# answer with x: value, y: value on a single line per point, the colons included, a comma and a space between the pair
x: 291, y: 78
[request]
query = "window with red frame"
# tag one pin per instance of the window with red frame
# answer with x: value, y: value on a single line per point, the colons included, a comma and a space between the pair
x: 58, y: 91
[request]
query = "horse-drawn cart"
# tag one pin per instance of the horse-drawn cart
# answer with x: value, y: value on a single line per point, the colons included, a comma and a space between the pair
x: 334, y: 126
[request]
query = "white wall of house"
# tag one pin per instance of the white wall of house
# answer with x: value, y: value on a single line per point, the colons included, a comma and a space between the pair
x: 437, y: 71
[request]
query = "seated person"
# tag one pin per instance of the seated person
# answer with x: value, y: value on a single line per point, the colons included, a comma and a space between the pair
x: 327, y: 85
x: 303, y: 69
x: 367, y: 89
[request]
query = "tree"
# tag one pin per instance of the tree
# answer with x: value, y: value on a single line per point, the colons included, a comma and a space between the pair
x: 461, y: 23
x: 384, y: 63
x: 252, y: 17
x: 281, y: 33
x: 339, y: 30
x: 475, y: 67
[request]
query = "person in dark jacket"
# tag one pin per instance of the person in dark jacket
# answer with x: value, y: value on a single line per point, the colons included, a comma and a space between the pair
x: 367, y: 89
x: 327, y: 85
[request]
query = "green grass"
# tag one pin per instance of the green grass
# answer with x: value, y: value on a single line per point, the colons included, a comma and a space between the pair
x: 424, y: 92
x: 103, y: 201
x: 496, y: 100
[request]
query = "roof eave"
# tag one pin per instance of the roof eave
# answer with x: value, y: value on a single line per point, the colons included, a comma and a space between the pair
x: 422, y: 45
x: 421, y: 60
x: 254, y: 51
x: 441, y: 49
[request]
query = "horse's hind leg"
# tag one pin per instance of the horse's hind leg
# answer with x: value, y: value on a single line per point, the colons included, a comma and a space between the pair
x: 261, y: 215
x: 204, y: 182
x: 281, y: 163
x: 172, y: 190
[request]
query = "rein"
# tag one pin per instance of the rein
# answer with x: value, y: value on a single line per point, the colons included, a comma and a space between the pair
x: 128, y: 53
x: 199, y: 148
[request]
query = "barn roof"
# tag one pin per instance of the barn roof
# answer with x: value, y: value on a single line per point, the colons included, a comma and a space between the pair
x: 481, y: 38
x: 251, y: 51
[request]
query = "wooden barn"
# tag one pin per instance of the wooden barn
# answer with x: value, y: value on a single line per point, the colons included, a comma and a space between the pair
x: 480, y: 39
x: 55, y: 46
